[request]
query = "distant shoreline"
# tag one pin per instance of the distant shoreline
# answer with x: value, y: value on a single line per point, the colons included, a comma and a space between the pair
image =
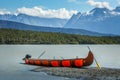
x: 82, y: 73
x: 13, y: 36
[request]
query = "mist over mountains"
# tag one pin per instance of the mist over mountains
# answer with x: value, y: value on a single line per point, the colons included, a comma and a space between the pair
x: 34, y: 20
x: 21, y: 26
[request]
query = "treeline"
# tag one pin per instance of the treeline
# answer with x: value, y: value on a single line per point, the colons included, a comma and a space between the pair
x: 12, y: 36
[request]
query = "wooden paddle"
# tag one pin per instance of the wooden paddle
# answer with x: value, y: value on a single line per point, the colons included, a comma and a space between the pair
x: 98, y: 65
x: 41, y: 54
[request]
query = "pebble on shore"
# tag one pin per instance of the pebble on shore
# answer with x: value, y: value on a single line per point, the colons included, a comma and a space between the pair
x: 82, y: 73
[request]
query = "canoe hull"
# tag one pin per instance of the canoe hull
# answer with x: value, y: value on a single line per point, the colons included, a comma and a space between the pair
x: 77, y: 62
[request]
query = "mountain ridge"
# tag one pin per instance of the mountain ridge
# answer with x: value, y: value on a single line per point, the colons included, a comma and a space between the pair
x: 21, y: 26
x: 100, y: 20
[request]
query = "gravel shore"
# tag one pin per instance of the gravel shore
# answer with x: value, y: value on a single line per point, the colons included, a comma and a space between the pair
x: 82, y: 73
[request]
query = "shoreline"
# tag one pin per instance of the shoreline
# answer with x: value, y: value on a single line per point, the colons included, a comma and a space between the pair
x: 82, y: 73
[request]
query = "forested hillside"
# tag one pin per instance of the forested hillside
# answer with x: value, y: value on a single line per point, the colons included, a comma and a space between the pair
x: 12, y: 36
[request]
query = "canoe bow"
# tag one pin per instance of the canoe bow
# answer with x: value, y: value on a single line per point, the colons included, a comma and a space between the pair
x: 88, y: 60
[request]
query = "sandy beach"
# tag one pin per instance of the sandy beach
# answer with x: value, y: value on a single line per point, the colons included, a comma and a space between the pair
x: 82, y: 73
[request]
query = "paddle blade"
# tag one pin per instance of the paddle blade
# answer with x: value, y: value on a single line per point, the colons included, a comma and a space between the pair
x: 98, y: 65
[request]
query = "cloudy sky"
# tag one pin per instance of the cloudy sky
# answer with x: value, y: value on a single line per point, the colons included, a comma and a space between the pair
x: 53, y: 8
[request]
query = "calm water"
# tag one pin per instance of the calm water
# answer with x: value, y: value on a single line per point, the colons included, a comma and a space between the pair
x: 11, y: 57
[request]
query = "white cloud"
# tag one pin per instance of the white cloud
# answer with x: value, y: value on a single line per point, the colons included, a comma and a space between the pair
x: 118, y: 2
x: 4, y: 11
x: 47, y: 13
x: 99, y: 4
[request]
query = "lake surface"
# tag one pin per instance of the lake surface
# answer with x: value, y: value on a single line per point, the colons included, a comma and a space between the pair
x: 11, y: 57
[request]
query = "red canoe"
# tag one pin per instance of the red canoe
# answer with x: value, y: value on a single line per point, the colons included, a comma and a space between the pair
x: 76, y: 62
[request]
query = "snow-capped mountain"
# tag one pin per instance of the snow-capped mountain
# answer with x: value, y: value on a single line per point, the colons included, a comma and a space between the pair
x: 117, y: 9
x: 33, y: 20
x: 100, y: 20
